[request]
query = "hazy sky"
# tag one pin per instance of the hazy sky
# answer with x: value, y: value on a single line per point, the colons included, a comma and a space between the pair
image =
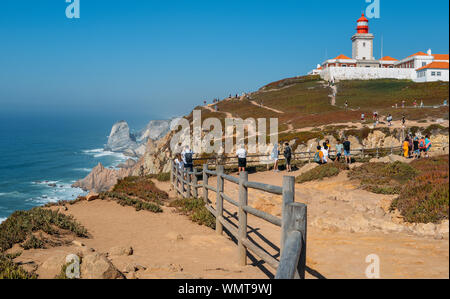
x: 156, y: 59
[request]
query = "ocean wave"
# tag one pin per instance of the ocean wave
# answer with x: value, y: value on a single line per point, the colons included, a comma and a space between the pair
x: 11, y: 194
x: 83, y: 169
x: 56, y: 191
x: 98, y: 153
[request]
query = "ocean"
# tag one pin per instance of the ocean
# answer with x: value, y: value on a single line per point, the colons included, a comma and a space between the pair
x: 41, y: 157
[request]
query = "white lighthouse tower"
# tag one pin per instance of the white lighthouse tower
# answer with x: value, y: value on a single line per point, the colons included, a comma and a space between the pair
x: 362, y: 44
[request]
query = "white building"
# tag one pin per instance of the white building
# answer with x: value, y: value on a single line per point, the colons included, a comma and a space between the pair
x: 363, y: 64
x: 435, y: 71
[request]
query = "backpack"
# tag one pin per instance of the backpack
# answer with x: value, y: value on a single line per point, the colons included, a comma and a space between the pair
x: 287, y: 152
x: 189, y: 158
x: 317, y: 157
x: 422, y: 144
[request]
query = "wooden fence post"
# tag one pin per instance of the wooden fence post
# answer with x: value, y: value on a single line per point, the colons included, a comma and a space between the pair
x: 295, y: 220
x: 172, y: 164
x: 188, y: 185
x: 177, y: 181
x: 288, y: 198
x: 219, y: 199
x: 242, y: 233
x: 205, y: 182
x: 195, y: 183
x: 182, y: 178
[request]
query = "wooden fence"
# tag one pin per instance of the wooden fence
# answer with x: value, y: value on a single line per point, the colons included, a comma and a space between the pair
x: 293, y: 222
x: 359, y: 153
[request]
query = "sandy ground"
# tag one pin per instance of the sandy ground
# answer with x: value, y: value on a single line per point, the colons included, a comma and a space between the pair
x: 169, y: 245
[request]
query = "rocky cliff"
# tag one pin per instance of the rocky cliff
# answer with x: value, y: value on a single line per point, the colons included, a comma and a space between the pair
x: 120, y: 139
x: 101, y: 179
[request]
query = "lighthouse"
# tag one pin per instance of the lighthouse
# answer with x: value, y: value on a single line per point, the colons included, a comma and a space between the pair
x: 362, y: 44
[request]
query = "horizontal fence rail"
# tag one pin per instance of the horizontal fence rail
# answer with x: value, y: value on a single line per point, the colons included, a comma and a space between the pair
x: 293, y: 222
x: 375, y: 152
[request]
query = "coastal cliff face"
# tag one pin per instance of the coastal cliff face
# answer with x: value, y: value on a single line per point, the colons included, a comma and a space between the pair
x: 120, y: 139
x: 101, y: 179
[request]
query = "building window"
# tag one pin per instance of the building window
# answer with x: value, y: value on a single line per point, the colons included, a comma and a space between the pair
x: 364, y: 44
x: 439, y: 74
x: 424, y: 64
x: 433, y: 73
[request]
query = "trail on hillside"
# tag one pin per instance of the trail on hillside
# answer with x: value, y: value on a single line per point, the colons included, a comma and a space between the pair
x: 265, y: 107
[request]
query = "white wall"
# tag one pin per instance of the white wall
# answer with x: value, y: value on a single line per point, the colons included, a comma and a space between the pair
x: 430, y: 78
x: 362, y: 73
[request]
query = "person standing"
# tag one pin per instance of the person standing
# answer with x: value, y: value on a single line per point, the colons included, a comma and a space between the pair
x: 347, y: 151
x: 389, y: 120
x: 242, y: 158
x: 428, y: 146
x: 404, y: 121
x: 188, y: 159
x: 274, y: 156
x: 339, y: 150
x: 288, y: 156
x: 325, y: 152
x: 406, y: 148
x: 363, y: 117
x: 416, y: 148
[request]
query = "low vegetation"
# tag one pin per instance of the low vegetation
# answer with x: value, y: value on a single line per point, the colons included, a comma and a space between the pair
x: 10, y: 270
x: 138, y: 204
x: 422, y: 187
x: 426, y: 198
x: 142, y: 188
x: 196, y: 210
x: 22, y: 226
x: 321, y: 172
x: 383, y: 178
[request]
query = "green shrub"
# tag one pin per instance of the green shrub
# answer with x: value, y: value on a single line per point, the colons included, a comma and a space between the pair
x: 196, y: 210
x: 10, y: 270
x: 321, y: 172
x: 425, y: 199
x: 383, y: 178
x: 141, y: 187
x: 21, y: 225
x: 34, y: 243
x: 139, y: 205
x: 163, y: 177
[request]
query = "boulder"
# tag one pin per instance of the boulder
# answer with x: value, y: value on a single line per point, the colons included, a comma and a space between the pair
x: 101, y: 179
x: 121, y: 251
x: 97, y: 266
x: 92, y: 196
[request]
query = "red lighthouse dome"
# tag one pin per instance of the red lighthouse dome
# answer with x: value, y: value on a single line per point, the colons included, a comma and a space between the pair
x: 363, y: 25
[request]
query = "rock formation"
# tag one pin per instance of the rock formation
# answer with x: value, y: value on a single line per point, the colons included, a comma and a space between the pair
x: 120, y: 140
x: 101, y: 179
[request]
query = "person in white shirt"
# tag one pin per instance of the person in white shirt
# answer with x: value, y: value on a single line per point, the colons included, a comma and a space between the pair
x: 242, y: 158
x: 325, y: 153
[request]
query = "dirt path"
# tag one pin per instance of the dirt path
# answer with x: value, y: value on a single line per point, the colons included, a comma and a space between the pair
x: 346, y: 224
x: 168, y: 245
x: 265, y: 107
x: 210, y: 108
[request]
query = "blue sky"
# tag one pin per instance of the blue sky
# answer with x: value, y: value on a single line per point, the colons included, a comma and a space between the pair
x: 156, y: 59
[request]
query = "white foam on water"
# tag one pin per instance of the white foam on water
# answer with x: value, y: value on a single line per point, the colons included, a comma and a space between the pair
x: 83, y: 169
x: 2, y: 219
x: 13, y: 194
x: 62, y: 191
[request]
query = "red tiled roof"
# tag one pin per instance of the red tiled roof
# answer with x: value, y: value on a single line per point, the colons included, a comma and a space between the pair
x: 440, y: 56
x: 388, y: 58
x: 418, y: 54
x: 342, y: 56
x: 435, y: 65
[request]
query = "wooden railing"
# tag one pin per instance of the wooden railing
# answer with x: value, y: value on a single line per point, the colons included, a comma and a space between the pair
x: 359, y: 153
x: 293, y: 222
